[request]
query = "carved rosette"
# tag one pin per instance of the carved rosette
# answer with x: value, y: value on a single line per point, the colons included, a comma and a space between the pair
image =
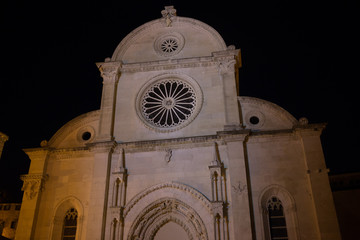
x: 33, y: 184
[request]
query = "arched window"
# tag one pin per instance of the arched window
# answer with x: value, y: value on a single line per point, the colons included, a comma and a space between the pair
x: 278, y: 214
x: 277, y: 221
x: 70, y: 225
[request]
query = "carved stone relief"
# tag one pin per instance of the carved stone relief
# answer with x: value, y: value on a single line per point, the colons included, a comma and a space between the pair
x: 33, y: 184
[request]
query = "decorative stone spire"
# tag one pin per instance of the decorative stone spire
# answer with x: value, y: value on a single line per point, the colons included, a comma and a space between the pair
x: 216, y: 161
x: 168, y: 14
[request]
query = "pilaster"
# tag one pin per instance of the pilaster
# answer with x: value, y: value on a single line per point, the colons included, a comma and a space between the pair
x: 110, y: 72
x: 99, y: 193
x: 228, y: 63
x: 34, y: 184
x: 240, y: 210
x: 318, y: 179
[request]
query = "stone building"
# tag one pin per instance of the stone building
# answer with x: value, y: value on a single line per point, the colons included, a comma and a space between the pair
x: 174, y: 151
x: 9, y: 215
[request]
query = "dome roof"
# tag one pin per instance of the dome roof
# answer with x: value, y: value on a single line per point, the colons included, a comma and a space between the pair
x: 261, y: 115
x: 170, y: 37
x: 77, y: 132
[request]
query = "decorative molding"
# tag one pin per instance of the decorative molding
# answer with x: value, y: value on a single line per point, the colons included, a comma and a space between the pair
x: 33, y: 184
x: 162, y: 211
x: 182, y: 187
x: 68, y: 153
x: 170, y: 64
x: 102, y: 147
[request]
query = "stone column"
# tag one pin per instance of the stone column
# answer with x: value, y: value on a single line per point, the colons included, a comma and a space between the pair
x: 3, y: 139
x: 239, y: 211
x: 110, y: 72
x: 317, y: 173
x: 32, y: 187
x: 228, y: 64
x: 98, y: 202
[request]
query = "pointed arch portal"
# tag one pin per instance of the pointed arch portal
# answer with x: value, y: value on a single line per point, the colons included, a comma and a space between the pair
x: 169, y: 207
x: 164, y: 211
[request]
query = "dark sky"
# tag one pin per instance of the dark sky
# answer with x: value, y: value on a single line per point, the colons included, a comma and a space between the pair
x: 296, y: 54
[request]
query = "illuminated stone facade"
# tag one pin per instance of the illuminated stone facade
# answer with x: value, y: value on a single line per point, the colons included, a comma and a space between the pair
x: 175, y: 152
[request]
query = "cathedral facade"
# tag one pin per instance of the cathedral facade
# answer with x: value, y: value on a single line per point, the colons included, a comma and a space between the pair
x: 175, y: 152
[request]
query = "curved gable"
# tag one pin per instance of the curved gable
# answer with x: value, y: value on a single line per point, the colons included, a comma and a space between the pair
x: 259, y: 114
x: 77, y: 132
x: 159, y: 40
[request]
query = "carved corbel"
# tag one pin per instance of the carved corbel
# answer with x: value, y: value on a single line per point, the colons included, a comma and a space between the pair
x: 33, y: 184
x: 218, y: 209
x: 226, y: 66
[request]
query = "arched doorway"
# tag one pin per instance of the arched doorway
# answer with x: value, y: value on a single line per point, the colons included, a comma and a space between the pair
x: 171, y: 230
x: 168, y: 216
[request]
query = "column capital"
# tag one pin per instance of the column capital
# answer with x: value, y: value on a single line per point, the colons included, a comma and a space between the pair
x: 228, y: 60
x: 33, y: 184
x: 109, y: 71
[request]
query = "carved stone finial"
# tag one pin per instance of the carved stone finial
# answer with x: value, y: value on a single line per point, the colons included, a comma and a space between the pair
x: 121, y: 160
x: 167, y: 14
x: 43, y: 143
x: 303, y: 121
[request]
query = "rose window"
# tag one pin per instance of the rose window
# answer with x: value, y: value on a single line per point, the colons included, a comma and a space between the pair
x: 168, y: 103
x: 169, y: 45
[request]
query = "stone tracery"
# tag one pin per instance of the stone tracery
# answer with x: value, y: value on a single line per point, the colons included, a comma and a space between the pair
x: 157, y: 214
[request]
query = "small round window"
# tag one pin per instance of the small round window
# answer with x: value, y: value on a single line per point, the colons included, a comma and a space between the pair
x: 169, y: 44
x: 86, y: 134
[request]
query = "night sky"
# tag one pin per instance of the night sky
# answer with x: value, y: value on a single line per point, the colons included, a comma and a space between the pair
x: 297, y: 55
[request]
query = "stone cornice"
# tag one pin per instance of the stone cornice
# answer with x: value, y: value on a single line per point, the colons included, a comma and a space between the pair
x: 110, y: 68
x: 310, y: 129
x: 168, y: 64
x: 102, y: 147
x: 186, y: 142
